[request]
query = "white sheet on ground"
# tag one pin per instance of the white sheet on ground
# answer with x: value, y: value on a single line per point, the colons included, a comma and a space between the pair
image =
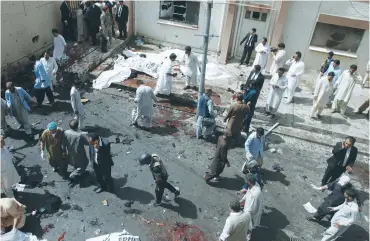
x: 122, y: 236
x: 215, y: 74
x: 16, y: 235
x: 309, y: 208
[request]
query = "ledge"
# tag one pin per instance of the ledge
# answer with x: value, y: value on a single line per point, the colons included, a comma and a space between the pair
x: 336, y: 52
x: 177, y: 24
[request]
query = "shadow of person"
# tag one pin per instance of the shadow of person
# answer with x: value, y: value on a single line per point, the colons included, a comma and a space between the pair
x: 46, y: 203
x: 273, y: 176
x: 133, y: 194
x: 184, y: 208
x: 31, y: 176
x: 160, y: 130
x: 270, y: 227
x: 228, y: 183
x: 364, y: 196
x: 274, y: 138
x: 302, y: 100
x: 101, y: 131
x: 58, y: 106
x: 355, y: 233
x: 326, y: 119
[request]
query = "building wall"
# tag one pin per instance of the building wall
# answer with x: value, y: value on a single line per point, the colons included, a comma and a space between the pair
x: 23, y: 20
x: 300, y: 24
x: 147, y: 15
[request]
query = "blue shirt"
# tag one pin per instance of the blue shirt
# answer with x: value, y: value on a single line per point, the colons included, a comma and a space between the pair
x: 337, y: 71
x: 23, y: 95
x: 251, y: 96
x: 254, y: 146
x: 41, y: 75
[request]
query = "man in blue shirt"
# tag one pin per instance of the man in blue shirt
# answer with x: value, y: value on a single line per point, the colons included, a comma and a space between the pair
x: 42, y: 83
x: 326, y: 64
x: 250, y: 96
x: 254, y: 148
x: 205, y: 116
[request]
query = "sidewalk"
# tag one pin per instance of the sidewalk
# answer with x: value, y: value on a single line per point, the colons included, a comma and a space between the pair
x: 294, y: 115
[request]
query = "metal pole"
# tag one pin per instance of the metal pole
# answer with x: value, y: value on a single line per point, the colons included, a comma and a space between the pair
x: 205, y: 48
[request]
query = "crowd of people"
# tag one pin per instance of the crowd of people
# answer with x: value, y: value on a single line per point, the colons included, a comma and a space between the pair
x: 63, y: 148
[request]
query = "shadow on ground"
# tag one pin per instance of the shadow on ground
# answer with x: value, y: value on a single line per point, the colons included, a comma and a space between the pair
x: 184, y: 208
x: 229, y: 183
x: 272, y: 223
x: 274, y: 177
x: 133, y: 194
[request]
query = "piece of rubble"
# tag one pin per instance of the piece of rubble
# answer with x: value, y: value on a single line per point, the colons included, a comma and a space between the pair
x: 273, y: 150
x: 97, y: 232
x: 105, y: 202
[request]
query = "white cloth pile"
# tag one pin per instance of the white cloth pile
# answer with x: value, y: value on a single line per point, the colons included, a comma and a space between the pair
x: 16, y: 235
x: 150, y: 66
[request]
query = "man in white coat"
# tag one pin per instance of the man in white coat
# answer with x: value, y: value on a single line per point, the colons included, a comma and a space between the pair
x: 295, y: 70
x: 9, y: 175
x: 144, y: 100
x: 323, y: 91
x: 252, y: 202
x: 263, y: 51
x: 164, y: 83
x: 59, y: 45
x: 190, y: 70
x: 278, y: 85
x: 51, y: 68
x: 278, y: 58
x: 237, y: 224
x: 77, y: 106
x: 344, y: 217
x: 344, y: 85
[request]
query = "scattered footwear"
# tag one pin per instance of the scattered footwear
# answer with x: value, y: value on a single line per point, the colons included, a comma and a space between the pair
x: 177, y: 193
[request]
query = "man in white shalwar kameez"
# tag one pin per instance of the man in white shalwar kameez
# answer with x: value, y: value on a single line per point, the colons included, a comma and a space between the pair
x: 9, y: 175
x: 263, y: 51
x: 59, y: 45
x: 344, y: 85
x: 144, y: 100
x: 164, y: 83
x: 190, y: 70
x: 252, y: 202
x: 295, y: 70
x: 323, y: 91
x: 51, y: 68
x: 278, y: 85
x: 77, y: 105
x: 278, y: 58
x: 344, y: 217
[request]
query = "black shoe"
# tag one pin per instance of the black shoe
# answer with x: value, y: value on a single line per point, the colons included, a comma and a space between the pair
x: 195, y: 88
x: 135, y: 124
x: 177, y: 193
x: 99, y: 190
x: 187, y: 87
x: 312, y: 219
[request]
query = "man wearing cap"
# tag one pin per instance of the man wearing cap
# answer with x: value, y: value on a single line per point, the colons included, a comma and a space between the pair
x: 53, y: 149
x: 190, y: 69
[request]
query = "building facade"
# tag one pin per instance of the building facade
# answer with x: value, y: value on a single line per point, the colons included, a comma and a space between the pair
x: 312, y: 27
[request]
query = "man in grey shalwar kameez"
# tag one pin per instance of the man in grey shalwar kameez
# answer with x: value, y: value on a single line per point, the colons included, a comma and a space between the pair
x: 75, y: 143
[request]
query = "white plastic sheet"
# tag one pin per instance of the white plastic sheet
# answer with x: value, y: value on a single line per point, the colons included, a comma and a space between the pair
x: 215, y: 74
x: 309, y: 208
x: 122, y: 236
x: 16, y: 235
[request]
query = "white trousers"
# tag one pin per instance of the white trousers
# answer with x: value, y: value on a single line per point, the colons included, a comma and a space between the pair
x: 332, y: 233
x: 316, y: 109
x: 147, y: 120
x: 80, y: 120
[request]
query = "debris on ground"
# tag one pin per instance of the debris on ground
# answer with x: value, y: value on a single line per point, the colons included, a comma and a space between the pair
x: 273, y: 150
x: 105, y: 202
x: 276, y: 167
x: 97, y: 232
x: 129, y: 203
x: 62, y: 236
x: 76, y: 207
x: 173, y: 144
x: 127, y: 141
x: 47, y: 228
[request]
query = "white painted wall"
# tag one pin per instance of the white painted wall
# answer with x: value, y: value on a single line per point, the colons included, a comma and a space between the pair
x: 300, y: 23
x: 147, y: 15
x: 20, y: 22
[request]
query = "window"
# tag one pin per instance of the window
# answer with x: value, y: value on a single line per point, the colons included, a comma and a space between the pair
x: 256, y: 15
x: 180, y: 11
x: 337, y: 37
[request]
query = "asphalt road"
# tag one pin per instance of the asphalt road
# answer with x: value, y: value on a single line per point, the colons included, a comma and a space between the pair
x: 83, y: 214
